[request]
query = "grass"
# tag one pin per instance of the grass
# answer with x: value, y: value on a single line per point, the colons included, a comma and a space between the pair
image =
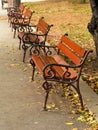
x: 66, y: 17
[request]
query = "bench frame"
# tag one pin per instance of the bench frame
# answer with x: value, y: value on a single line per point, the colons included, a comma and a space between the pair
x: 23, y: 21
x: 42, y: 30
x: 15, y: 12
x: 49, y: 67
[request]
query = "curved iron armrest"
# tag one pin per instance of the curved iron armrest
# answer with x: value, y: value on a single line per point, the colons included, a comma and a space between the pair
x: 43, y: 49
x: 49, y: 72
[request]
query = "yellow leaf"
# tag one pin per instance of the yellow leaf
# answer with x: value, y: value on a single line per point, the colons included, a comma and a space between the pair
x: 14, y: 65
x: 21, y: 79
x: 69, y: 123
x: 75, y: 129
x: 56, y: 108
x: 81, y: 118
x: 25, y: 69
x: 48, y: 107
x: 89, y: 60
x: 53, y: 105
x: 73, y: 112
x: 76, y: 95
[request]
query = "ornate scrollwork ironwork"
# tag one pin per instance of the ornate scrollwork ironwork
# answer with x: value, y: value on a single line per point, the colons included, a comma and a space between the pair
x: 26, y: 38
x: 25, y: 21
x: 49, y: 73
x: 66, y: 74
x: 47, y: 86
x: 35, y: 51
x: 21, y: 29
x: 48, y: 51
x: 29, y: 29
x: 15, y: 21
x: 24, y: 47
x: 30, y: 38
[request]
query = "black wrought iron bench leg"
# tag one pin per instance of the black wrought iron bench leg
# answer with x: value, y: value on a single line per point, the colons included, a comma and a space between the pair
x: 47, y: 86
x: 33, y: 71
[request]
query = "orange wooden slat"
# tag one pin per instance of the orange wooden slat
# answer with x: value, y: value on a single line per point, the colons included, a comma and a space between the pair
x: 28, y: 13
x: 43, y: 23
x: 50, y: 60
x: 21, y: 7
x: 42, y: 26
x: 42, y: 29
x: 42, y: 61
x: 69, y: 53
x: 73, y: 45
x: 37, y: 60
x: 61, y: 61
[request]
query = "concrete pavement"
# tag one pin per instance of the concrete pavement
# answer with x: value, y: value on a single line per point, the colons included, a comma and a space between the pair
x: 21, y: 100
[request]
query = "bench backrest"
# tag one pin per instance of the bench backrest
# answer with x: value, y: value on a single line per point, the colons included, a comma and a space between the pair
x: 43, y: 26
x: 72, y: 50
x: 21, y: 8
x: 40, y: 35
x: 27, y: 13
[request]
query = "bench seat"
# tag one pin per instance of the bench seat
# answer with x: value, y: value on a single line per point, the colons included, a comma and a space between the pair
x: 42, y: 61
x: 33, y: 34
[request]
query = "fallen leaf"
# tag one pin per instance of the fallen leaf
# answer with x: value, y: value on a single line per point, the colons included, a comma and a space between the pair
x: 75, y: 95
x: 69, y: 123
x: 25, y: 69
x: 75, y: 129
x: 81, y: 118
x: 14, y: 65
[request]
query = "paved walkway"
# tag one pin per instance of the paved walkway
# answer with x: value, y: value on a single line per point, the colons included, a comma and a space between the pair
x: 21, y: 100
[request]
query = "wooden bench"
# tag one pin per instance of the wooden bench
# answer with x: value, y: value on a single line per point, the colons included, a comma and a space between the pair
x: 15, y: 12
x: 55, y: 69
x: 33, y: 34
x: 22, y: 21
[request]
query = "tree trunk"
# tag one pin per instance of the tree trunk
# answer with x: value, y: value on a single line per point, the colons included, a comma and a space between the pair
x: 93, y: 25
x: 95, y: 36
x: 17, y: 2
